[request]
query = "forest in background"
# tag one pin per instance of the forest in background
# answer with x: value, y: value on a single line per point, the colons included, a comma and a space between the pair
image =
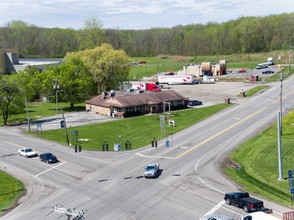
x: 244, y: 35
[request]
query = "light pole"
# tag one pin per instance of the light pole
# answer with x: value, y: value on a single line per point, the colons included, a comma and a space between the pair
x: 290, y: 56
x: 56, y: 87
x: 281, y: 103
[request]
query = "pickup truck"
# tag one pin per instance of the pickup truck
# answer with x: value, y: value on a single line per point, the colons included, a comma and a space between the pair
x: 244, y: 201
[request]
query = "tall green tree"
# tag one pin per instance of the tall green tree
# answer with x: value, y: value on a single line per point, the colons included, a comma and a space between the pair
x: 75, y: 82
x: 92, y: 35
x: 107, y: 66
x: 11, y: 99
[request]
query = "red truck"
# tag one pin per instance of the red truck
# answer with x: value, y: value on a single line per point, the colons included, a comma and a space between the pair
x: 145, y: 86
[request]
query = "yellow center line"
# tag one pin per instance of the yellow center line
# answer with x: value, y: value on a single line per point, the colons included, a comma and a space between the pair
x: 218, y: 134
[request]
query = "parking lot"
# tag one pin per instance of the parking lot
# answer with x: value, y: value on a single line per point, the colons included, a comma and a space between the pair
x: 211, y: 94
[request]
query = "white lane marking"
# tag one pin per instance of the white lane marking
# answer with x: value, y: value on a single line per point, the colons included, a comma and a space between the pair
x: 45, y: 171
x: 158, y: 157
x: 204, y: 181
x: 215, y: 208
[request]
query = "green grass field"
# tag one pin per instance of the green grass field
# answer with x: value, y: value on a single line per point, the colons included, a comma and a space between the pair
x: 258, y: 162
x: 10, y: 190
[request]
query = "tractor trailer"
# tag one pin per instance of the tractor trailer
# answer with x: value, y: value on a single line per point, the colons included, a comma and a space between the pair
x: 175, y: 79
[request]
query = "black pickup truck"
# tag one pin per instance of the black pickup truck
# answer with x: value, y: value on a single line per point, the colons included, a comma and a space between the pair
x: 244, y: 201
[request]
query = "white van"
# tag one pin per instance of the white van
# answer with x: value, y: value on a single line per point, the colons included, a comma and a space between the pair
x: 259, y: 216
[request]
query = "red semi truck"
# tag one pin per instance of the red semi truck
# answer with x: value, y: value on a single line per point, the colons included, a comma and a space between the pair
x: 145, y: 86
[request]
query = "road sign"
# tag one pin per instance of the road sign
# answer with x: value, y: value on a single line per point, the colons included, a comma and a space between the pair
x: 290, y: 174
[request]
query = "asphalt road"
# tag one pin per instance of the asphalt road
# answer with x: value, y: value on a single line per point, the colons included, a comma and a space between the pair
x: 110, y: 185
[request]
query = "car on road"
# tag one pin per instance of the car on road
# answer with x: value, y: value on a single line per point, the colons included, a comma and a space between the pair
x: 151, y: 170
x: 27, y: 152
x: 48, y: 158
x: 216, y: 217
x: 268, y: 72
x: 193, y: 103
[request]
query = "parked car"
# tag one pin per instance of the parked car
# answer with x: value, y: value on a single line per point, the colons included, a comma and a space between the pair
x: 151, y: 170
x: 192, y: 103
x: 242, y: 71
x: 48, y: 158
x: 216, y: 217
x: 169, y: 73
x: 27, y: 152
x: 244, y: 201
x: 268, y: 72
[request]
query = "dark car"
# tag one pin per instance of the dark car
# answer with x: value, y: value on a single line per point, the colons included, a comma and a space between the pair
x: 192, y: 103
x: 268, y: 72
x: 48, y: 158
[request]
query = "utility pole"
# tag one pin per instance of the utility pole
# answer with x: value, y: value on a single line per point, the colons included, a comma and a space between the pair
x: 281, y: 103
x: 290, y: 56
x: 65, y: 128
x: 29, y: 124
x: 56, y: 87
x: 280, y: 163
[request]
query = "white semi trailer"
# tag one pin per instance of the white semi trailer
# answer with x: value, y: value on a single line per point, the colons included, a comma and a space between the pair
x: 175, y: 79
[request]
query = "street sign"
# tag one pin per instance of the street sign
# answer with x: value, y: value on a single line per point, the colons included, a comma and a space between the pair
x: 290, y: 174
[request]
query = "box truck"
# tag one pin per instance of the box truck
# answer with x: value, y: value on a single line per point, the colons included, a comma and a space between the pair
x: 145, y: 86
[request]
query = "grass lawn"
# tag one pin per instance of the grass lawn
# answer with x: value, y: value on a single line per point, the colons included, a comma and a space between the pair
x: 138, y: 130
x: 255, y: 90
x: 257, y: 160
x: 38, y: 110
x: 10, y: 190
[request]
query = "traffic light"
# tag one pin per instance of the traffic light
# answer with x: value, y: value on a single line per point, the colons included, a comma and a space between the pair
x: 62, y: 123
x: 80, y: 148
x: 128, y: 145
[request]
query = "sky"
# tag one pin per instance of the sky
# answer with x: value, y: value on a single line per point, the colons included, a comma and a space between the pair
x: 136, y: 14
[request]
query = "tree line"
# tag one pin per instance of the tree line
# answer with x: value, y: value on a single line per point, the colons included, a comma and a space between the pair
x: 81, y: 76
x: 244, y: 35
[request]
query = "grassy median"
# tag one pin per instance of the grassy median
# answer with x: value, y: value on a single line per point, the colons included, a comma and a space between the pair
x: 10, y: 190
x: 254, y: 165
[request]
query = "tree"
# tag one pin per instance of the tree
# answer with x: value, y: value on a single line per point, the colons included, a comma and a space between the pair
x: 29, y: 83
x: 107, y: 66
x: 11, y: 100
x: 92, y: 34
x: 75, y: 83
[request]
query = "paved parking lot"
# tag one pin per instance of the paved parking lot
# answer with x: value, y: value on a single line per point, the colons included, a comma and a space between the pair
x: 211, y: 94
